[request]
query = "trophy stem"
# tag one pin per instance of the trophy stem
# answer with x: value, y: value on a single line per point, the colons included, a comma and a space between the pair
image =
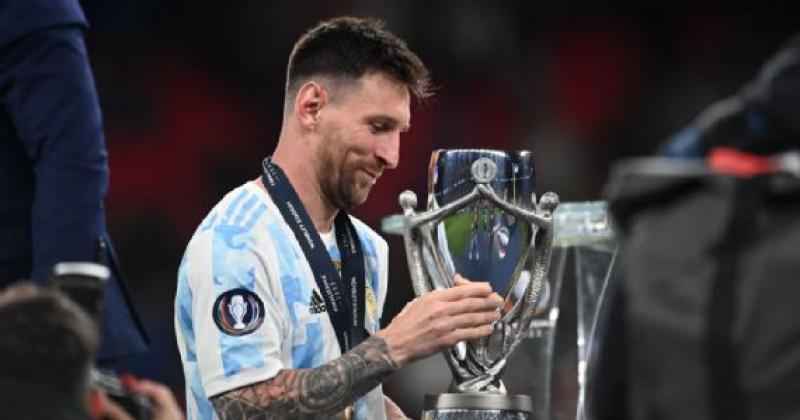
x: 477, y: 406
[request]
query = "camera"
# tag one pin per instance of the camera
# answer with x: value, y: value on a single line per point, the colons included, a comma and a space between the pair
x: 85, y: 284
x: 137, y: 405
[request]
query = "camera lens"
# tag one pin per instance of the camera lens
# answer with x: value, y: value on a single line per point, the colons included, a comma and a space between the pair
x: 84, y: 283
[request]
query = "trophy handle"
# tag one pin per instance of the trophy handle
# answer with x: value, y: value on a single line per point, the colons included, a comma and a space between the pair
x: 413, y: 238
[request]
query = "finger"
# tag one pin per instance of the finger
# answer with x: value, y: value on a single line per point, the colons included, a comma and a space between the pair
x: 472, y: 333
x: 460, y: 281
x: 456, y: 293
x: 496, y: 298
x: 474, y: 319
x: 159, y: 395
x: 472, y: 305
x: 155, y: 391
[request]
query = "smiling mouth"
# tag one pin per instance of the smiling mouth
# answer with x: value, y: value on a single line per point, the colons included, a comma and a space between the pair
x: 372, y: 175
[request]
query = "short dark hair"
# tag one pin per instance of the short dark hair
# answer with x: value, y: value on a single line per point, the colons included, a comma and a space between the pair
x: 45, y: 338
x: 348, y: 47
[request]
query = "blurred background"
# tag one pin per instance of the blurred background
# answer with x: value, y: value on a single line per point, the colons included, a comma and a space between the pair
x: 192, y: 95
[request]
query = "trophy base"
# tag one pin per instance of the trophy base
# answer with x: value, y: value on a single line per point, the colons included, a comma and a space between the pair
x: 477, y: 407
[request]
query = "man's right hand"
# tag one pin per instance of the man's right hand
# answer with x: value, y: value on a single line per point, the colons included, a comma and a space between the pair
x: 440, y: 319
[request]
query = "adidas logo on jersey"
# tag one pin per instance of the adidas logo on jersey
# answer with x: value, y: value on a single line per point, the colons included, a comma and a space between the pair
x: 316, y: 305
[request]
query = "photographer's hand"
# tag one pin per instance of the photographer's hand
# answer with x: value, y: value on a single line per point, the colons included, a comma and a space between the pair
x: 102, y: 408
x: 162, y: 402
x: 161, y: 399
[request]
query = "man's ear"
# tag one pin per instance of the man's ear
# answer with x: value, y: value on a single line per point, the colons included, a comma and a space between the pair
x: 308, y: 103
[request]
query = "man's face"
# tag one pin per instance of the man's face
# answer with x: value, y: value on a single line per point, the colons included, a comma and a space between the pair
x: 360, y: 133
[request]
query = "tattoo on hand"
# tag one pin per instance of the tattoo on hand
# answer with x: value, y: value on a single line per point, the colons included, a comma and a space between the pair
x: 308, y: 393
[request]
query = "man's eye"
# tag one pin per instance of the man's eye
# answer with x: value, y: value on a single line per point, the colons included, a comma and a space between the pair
x: 379, y: 127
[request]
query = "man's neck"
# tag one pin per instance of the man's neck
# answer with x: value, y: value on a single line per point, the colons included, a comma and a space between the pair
x: 308, y: 190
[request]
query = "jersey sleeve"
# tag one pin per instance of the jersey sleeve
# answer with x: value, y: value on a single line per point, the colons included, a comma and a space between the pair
x: 240, y: 325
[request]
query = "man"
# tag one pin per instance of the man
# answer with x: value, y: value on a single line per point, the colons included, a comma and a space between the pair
x: 265, y: 329
x: 53, y: 163
x: 47, y: 348
x: 762, y: 118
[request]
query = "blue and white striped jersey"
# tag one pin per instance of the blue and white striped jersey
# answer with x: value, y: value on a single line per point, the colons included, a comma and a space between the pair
x: 247, y: 304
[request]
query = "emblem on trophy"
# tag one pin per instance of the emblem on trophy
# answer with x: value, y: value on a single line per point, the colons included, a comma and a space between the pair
x: 482, y: 221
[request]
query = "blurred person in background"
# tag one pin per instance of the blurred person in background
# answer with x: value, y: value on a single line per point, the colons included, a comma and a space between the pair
x: 47, y: 349
x: 53, y: 161
x: 701, y: 323
x: 763, y: 118
x: 265, y: 326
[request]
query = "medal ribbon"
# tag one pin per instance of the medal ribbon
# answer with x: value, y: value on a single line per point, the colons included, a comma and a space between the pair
x: 344, y: 295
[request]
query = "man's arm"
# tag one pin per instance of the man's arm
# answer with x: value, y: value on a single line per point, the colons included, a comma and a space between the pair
x: 299, y: 393
x: 56, y: 117
x: 426, y: 325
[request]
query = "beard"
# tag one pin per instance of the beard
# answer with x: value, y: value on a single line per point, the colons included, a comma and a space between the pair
x: 344, y: 191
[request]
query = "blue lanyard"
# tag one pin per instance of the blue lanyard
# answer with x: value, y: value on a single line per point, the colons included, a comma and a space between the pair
x: 344, y: 295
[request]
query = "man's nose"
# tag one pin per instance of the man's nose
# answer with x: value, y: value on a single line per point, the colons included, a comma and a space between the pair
x: 388, y: 150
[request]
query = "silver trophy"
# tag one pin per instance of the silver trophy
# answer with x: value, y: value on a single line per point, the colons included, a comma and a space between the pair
x: 483, y: 222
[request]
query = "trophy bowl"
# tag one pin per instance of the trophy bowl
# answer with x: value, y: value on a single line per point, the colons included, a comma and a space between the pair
x: 483, y: 221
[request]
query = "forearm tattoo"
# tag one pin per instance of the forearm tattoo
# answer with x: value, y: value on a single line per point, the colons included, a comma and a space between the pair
x: 321, y: 392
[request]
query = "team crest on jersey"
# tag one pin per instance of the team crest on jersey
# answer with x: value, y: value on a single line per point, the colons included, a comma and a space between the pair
x: 372, y: 304
x: 238, y: 312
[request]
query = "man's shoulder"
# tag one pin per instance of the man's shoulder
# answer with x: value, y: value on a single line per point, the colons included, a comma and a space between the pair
x: 236, y: 215
x: 234, y: 238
